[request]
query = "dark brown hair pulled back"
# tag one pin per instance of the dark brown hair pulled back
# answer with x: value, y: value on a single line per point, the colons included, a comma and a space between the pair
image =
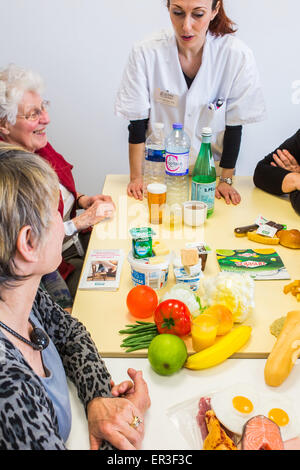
x: 221, y: 24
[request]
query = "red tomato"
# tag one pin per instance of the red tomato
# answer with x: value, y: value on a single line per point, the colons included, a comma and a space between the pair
x: 172, y: 316
x: 142, y: 301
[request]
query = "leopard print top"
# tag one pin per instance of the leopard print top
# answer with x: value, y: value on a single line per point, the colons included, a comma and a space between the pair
x: 27, y: 416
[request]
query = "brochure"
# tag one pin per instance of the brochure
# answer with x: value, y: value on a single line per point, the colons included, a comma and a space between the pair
x: 102, y: 270
x: 260, y: 264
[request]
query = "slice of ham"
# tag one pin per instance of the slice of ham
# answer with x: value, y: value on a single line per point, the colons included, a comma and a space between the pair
x: 204, y: 406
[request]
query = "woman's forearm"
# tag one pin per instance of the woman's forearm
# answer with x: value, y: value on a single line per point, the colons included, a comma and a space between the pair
x: 136, y: 159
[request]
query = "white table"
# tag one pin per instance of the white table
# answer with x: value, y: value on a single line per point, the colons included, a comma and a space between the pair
x: 161, y: 434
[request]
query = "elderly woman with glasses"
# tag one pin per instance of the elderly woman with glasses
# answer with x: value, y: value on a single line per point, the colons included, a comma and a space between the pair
x: 23, y: 121
x: 41, y: 344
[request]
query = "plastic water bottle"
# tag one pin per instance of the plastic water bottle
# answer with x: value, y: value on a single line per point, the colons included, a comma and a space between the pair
x: 154, y: 165
x: 177, y: 165
x: 204, y: 174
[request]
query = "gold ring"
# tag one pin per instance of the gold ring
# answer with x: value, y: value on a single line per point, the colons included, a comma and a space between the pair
x: 136, y: 421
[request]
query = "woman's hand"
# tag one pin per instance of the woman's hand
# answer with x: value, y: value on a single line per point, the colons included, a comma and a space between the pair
x: 291, y: 182
x: 135, y: 188
x: 110, y: 418
x: 95, y: 213
x: 127, y: 389
x: 228, y: 192
x: 87, y: 201
x: 285, y: 159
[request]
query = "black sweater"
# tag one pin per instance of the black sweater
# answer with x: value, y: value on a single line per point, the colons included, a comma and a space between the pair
x: 270, y: 178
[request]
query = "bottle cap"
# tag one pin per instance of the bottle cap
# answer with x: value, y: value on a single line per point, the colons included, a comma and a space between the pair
x: 206, y: 131
x: 159, y: 125
x: 177, y: 125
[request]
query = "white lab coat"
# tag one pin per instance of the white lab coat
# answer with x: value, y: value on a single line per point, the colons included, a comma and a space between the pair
x: 228, y: 72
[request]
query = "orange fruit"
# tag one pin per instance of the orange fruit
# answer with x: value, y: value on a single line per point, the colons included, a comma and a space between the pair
x: 224, y: 317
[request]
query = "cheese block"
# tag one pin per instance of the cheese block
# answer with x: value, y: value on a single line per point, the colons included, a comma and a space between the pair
x: 189, y: 257
x: 160, y: 248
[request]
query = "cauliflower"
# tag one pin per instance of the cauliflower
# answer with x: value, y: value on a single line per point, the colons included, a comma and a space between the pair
x: 236, y: 291
x: 186, y: 295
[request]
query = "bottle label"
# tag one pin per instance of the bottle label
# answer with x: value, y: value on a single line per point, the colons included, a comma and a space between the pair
x: 204, y: 192
x: 155, y: 155
x: 177, y: 163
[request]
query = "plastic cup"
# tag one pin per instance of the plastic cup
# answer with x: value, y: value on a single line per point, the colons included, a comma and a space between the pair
x: 204, y: 331
x: 194, y: 213
x: 157, y: 194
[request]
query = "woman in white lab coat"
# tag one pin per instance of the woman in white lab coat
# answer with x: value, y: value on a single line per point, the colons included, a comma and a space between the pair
x: 198, y: 74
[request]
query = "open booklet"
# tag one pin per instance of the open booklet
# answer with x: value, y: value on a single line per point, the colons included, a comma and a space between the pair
x: 102, y: 270
x: 260, y: 264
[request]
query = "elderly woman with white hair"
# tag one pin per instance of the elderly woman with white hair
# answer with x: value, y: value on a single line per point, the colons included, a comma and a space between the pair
x: 40, y: 343
x: 23, y: 121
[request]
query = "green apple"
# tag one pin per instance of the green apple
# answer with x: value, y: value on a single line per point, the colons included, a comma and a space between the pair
x: 167, y: 354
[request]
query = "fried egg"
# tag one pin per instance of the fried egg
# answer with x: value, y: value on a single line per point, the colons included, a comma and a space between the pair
x: 280, y: 409
x: 234, y: 405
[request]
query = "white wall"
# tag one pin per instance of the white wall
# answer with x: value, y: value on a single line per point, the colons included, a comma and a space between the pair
x: 81, y: 46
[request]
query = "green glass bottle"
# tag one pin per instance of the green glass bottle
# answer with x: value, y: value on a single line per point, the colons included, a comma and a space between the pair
x: 204, y: 174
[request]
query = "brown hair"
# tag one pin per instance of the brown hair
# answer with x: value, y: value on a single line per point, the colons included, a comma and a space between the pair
x: 221, y: 24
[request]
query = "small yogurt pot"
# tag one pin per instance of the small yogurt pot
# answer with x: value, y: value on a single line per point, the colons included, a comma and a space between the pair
x: 193, y: 281
x: 147, y: 274
x: 194, y: 213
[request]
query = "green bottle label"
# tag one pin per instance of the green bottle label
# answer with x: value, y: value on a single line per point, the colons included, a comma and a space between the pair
x: 204, y: 192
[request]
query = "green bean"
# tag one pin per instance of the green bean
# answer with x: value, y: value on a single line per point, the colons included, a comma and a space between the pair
x: 144, y: 335
x: 137, y: 330
x: 136, y: 348
x: 139, y: 335
x: 138, y: 340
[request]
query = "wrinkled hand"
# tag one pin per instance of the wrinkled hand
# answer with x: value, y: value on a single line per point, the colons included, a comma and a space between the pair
x: 136, y: 390
x: 228, y: 192
x: 96, y: 212
x: 87, y: 201
x: 110, y: 418
x: 135, y: 188
x: 285, y: 159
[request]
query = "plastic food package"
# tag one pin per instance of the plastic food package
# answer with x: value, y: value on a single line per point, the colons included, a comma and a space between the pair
x: 235, y: 291
x: 184, y: 418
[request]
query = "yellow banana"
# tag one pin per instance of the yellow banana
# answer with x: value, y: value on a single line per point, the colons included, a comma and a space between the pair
x: 256, y: 237
x: 221, y: 350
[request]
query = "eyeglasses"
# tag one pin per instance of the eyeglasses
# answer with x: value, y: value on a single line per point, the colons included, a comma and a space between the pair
x: 35, y: 114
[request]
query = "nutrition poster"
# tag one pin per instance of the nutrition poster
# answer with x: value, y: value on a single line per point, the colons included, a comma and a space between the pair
x: 260, y: 264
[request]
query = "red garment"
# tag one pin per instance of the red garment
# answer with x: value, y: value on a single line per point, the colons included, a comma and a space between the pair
x: 64, y: 172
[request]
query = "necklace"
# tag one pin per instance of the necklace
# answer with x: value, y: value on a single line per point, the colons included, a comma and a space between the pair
x: 39, y: 339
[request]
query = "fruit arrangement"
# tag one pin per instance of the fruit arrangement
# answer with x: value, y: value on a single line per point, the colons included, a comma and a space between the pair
x: 173, y: 322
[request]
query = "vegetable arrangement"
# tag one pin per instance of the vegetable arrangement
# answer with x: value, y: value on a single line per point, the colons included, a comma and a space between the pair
x: 173, y: 316
x: 139, y: 335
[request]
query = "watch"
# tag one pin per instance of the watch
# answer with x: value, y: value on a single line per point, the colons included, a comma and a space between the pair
x: 226, y: 180
x: 70, y: 228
